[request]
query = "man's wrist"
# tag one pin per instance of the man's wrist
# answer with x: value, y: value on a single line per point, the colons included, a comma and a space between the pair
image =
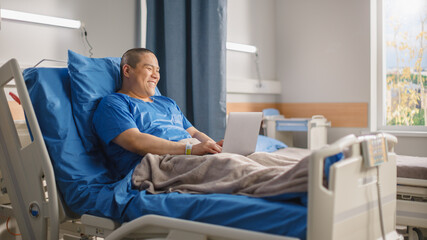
x: 188, y: 148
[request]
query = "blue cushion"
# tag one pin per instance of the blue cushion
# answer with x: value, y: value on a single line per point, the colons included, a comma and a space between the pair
x: 270, y: 112
x: 267, y: 144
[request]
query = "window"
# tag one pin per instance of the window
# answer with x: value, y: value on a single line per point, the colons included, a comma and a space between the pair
x: 399, y: 65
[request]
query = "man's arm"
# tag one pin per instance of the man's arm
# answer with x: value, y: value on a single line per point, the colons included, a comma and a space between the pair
x: 141, y: 143
x: 201, y: 136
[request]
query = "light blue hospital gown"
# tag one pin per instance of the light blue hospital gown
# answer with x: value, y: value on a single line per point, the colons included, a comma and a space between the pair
x: 118, y: 112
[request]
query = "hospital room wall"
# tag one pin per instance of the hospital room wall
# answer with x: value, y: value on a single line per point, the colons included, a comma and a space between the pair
x: 251, y: 22
x: 323, y: 56
x: 323, y: 52
x: 319, y: 51
x: 110, y: 26
x: 288, y: 54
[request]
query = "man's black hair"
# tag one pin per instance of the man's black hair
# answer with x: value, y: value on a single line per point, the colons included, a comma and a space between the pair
x: 132, y: 58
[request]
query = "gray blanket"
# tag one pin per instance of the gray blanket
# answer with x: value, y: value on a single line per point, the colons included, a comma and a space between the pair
x: 259, y: 174
x: 411, y: 167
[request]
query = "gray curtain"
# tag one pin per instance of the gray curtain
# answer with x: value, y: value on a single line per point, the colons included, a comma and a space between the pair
x: 188, y: 37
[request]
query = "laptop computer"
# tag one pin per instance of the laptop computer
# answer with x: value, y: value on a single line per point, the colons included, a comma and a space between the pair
x: 241, y: 133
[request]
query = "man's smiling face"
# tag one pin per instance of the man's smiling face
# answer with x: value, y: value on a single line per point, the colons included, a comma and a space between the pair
x: 145, y: 76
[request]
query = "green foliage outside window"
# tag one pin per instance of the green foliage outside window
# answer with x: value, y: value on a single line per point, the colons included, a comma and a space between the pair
x: 406, y: 79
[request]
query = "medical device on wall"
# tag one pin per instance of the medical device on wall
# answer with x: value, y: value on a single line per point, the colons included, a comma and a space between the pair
x: 238, y: 47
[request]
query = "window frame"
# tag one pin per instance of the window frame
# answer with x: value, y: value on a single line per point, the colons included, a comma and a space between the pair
x: 378, y: 108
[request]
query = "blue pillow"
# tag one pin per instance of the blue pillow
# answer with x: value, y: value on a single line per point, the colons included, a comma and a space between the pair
x: 267, y: 144
x: 91, y: 79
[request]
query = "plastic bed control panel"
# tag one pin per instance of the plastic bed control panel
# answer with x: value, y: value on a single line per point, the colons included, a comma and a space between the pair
x: 374, y: 151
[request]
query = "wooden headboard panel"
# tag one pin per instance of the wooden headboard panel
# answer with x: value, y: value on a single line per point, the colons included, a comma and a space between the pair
x: 351, y: 115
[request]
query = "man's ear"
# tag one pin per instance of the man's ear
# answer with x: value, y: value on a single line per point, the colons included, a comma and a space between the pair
x: 126, y: 69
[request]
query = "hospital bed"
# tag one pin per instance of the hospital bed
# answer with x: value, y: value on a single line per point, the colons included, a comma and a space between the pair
x: 412, y: 195
x: 48, y: 202
x: 279, y: 127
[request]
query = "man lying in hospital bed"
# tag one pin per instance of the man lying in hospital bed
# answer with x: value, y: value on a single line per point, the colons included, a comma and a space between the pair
x: 134, y: 122
x: 88, y: 187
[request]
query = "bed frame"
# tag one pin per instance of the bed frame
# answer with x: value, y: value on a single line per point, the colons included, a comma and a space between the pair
x: 412, y: 206
x: 346, y: 209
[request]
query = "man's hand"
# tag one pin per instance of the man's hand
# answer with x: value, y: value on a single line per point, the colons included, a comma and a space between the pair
x: 208, y: 147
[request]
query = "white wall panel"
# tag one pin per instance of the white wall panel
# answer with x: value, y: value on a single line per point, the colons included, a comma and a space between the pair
x: 323, y: 50
x: 111, y: 26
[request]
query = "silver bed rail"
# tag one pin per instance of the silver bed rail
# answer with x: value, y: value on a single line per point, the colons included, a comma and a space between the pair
x: 34, y: 208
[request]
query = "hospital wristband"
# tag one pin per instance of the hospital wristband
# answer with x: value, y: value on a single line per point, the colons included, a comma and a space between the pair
x: 188, y: 148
